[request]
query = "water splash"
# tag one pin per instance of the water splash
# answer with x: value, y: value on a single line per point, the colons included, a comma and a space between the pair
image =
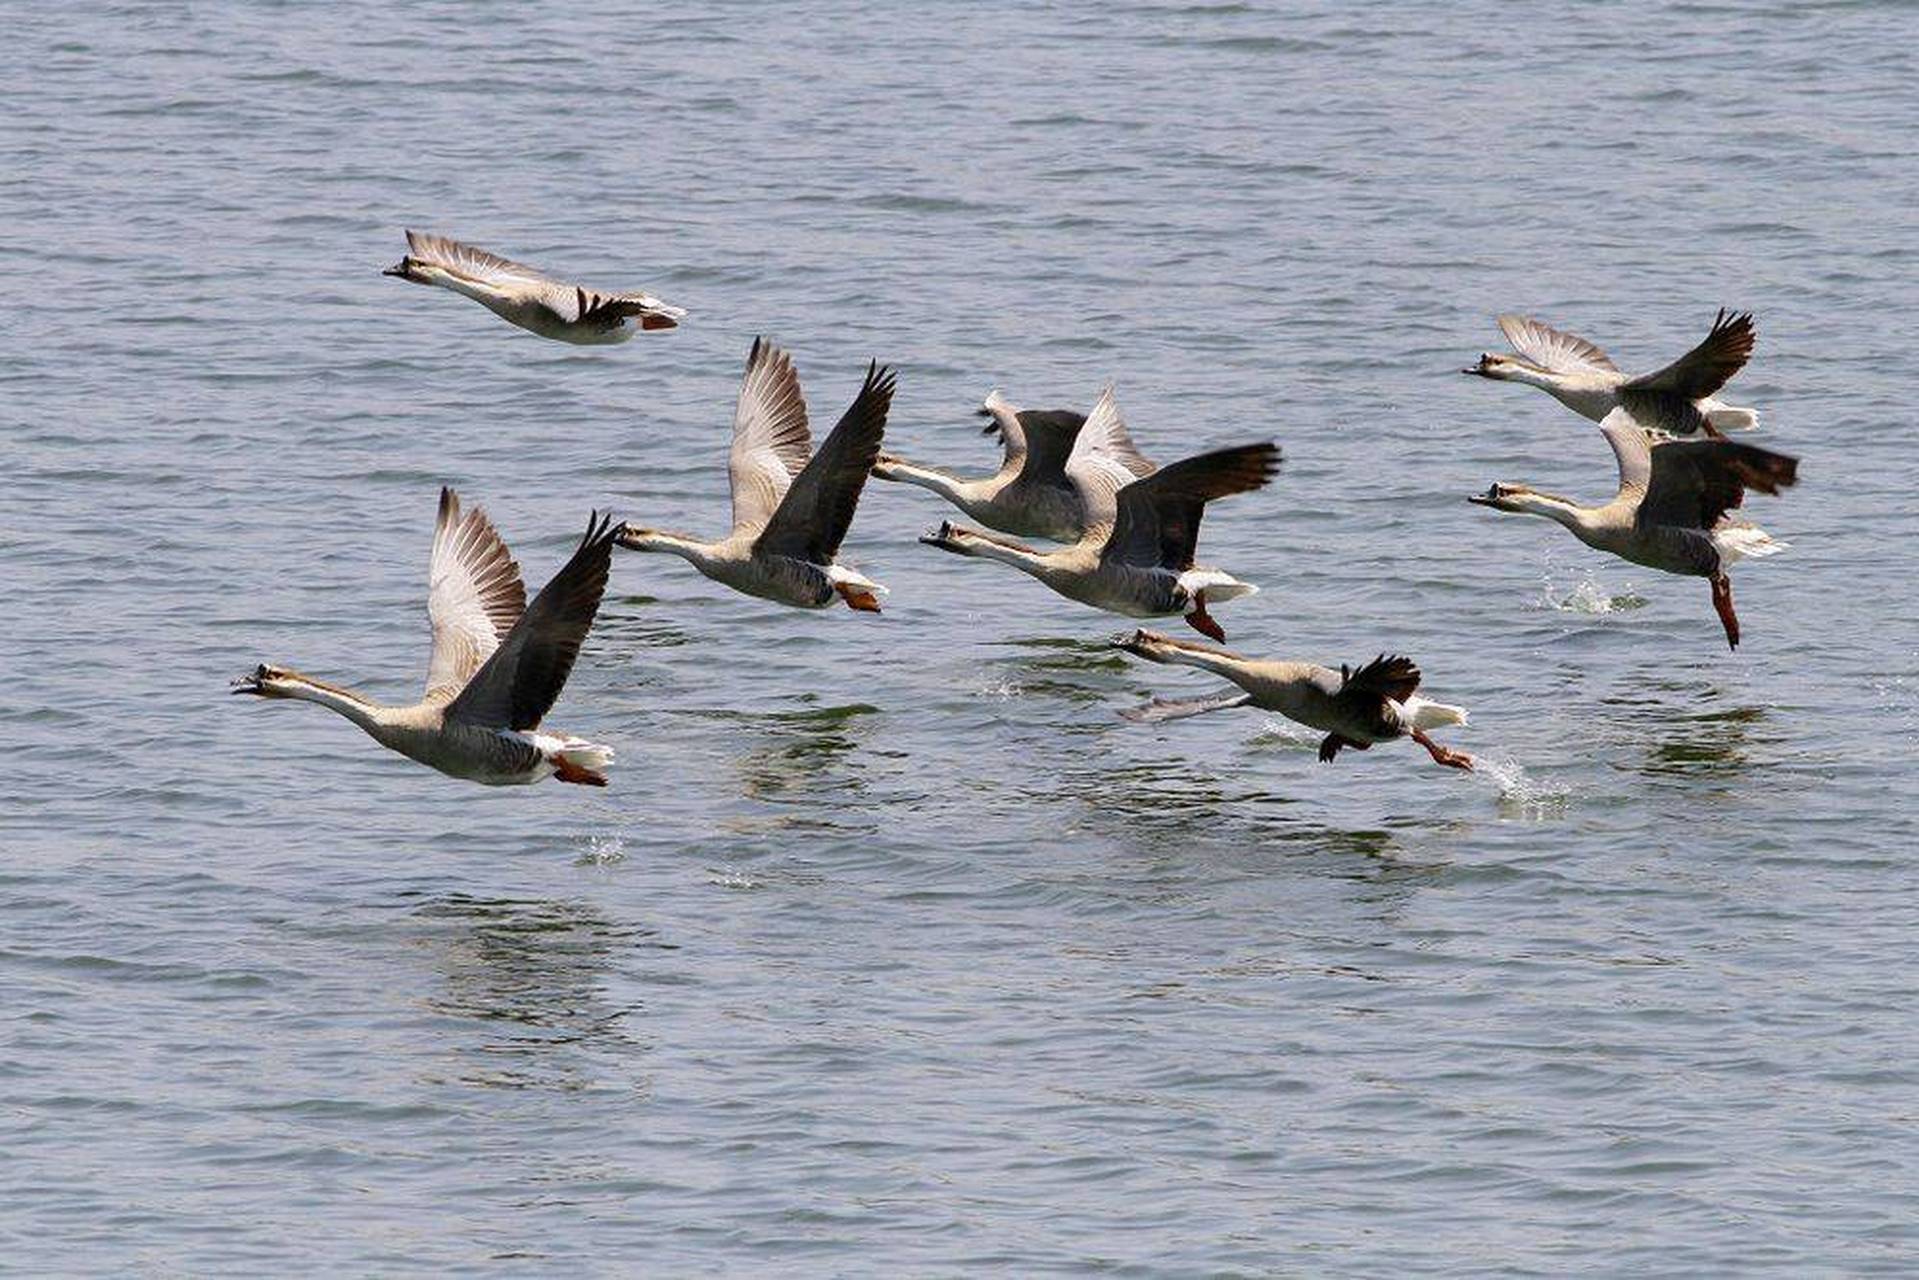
x: 728, y: 878
x: 1586, y: 596
x: 602, y: 851
x: 1519, y: 794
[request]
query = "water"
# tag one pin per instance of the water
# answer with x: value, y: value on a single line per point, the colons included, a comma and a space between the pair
x: 892, y: 949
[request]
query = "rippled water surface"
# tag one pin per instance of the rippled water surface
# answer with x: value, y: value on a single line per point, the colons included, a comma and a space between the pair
x: 892, y: 949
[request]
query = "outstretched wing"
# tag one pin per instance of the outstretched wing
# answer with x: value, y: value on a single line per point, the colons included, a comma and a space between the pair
x: 1100, y: 465
x: 472, y: 262
x: 1694, y: 483
x: 474, y: 596
x: 518, y: 684
x: 1554, y: 349
x: 1704, y: 369
x: 813, y: 517
x: 771, y: 442
x: 1157, y: 525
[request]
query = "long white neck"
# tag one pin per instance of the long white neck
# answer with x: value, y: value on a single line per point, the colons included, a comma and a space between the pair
x: 351, y: 705
x: 1533, y: 377
x: 679, y: 544
x: 955, y: 490
x: 1024, y: 559
x: 1581, y: 520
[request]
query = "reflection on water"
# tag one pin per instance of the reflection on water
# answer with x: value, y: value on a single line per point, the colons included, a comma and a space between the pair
x: 798, y: 755
x: 1708, y: 743
x: 533, y: 972
x: 1048, y: 665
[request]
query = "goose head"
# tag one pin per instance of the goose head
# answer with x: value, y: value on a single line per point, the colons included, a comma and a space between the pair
x: 269, y: 682
x: 1502, y: 368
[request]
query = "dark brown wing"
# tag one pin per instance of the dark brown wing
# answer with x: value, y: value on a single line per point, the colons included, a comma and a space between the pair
x: 1705, y: 368
x: 813, y: 517
x: 1049, y: 442
x: 1158, y: 521
x: 518, y: 684
x: 1365, y: 691
x: 1696, y: 482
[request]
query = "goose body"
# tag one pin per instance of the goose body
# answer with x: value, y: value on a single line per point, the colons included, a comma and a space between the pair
x: 1376, y: 703
x: 1671, y: 510
x: 1031, y: 494
x: 1135, y: 556
x: 528, y: 297
x: 497, y: 663
x: 791, y: 506
x: 1676, y: 400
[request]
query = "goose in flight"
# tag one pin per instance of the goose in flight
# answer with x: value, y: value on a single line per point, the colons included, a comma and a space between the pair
x: 528, y: 297
x: 1671, y: 510
x: 1676, y: 400
x: 1030, y: 495
x: 497, y: 663
x: 1136, y: 555
x: 790, y: 510
x: 1376, y: 703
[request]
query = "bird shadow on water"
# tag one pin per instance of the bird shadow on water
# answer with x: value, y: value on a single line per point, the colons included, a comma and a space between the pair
x: 789, y: 757
x: 531, y: 974
x: 1056, y: 667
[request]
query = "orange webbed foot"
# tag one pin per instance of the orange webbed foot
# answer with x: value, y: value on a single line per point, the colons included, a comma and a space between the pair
x: 857, y: 597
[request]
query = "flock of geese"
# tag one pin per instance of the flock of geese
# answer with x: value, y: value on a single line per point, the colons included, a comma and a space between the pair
x: 1126, y: 531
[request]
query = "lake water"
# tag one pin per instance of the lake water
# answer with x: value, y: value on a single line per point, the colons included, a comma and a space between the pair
x: 892, y: 949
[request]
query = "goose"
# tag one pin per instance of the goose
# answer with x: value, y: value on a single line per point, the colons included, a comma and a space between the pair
x: 1354, y: 709
x: 1676, y: 400
x: 1670, y: 512
x: 1030, y: 495
x: 497, y: 663
x: 530, y: 298
x: 790, y: 512
x: 1136, y: 555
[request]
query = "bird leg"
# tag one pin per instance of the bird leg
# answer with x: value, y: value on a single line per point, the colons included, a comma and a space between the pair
x: 1443, y: 755
x: 566, y: 771
x: 1329, y: 747
x: 1201, y: 621
x: 1722, y: 601
x: 857, y: 597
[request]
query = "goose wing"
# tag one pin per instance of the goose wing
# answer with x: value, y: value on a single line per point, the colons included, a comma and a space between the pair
x: 593, y: 307
x: 1704, y: 369
x: 1003, y: 420
x: 1157, y: 525
x: 474, y: 596
x: 771, y: 442
x: 812, y: 519
x: 517, y: 685
x: 1101, y: 463
x: 1694, y: 483
x: 1553, y: 349
x: 473, y: 263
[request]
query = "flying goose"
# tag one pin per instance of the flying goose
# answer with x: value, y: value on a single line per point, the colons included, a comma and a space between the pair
x: 790, y: 512
x: 1136, y: 554
x: 1670, y: 512
x: 1354, y: 709
x: 1030, y: 494
x: 1676, y: 400
x: 497, y: 663
x: 528, y: 297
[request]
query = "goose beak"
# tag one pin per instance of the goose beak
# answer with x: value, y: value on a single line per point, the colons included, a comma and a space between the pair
x: 397, y: 270
x: 941, y: 536
x: 248, y: 683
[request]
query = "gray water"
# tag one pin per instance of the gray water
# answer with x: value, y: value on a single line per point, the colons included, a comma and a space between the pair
x: 892, y: 949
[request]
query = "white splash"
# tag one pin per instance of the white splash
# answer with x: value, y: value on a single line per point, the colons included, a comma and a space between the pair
x: 1520, y: 795
x: 602, y: 851
x: 726, y: 878
x: 1586, y: 596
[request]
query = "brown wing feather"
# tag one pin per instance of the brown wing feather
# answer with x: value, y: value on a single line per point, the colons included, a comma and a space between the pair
x: 1696, y: 482
x: 1705, y: 368
x: 813, y: 517
x: 1158, y: 520
x: 519, y: 683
